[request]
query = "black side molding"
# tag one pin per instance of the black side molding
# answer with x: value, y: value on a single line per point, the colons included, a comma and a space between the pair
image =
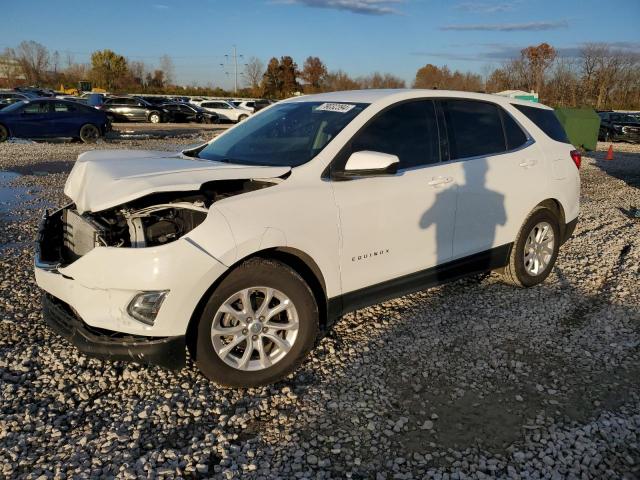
x: 167, y: 352
x: 481, y: 262
x: 569, y: 228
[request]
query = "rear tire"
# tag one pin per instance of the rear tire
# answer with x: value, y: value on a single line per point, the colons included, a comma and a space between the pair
x: 155, y: 117
x: 242, y: 117
x: 89, y: 133
x: 4, y: 133
x: 535, y: 250
x: 267, y: 360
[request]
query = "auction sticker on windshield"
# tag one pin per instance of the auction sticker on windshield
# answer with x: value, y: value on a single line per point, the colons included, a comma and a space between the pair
x: 335, y: 107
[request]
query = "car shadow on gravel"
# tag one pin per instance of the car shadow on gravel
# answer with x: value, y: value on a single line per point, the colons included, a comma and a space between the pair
x: 469, y: 379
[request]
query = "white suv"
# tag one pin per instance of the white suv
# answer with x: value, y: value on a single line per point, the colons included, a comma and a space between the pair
x: 248, y: 248
x: 225, y: 110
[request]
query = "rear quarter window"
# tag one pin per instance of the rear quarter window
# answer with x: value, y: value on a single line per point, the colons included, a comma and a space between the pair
x: 546, y: 121
x: 513, y: 133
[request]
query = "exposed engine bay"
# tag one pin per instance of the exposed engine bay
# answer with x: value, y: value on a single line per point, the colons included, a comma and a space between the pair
x: 149, y: 221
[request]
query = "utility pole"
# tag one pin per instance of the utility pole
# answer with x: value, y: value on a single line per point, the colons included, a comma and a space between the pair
x: 234, y: 58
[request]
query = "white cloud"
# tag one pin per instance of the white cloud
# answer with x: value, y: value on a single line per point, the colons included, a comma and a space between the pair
x: 364, y: 7
x: 487, y: 7
x: 509, y: 27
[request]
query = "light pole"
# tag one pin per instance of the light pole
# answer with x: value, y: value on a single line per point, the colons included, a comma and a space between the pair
x: 234, y: 57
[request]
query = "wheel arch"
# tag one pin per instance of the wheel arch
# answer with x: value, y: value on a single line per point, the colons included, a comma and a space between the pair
x: 299, y: 261
x: 555, y: 206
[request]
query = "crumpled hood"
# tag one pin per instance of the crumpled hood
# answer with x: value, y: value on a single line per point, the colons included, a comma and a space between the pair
x: 102, y: 179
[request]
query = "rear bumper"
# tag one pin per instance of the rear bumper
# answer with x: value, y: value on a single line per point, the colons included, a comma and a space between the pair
x: 167, y: 352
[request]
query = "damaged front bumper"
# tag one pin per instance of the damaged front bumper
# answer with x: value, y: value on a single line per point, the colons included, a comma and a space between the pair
x: 167, y: 352
x: 86, y: 299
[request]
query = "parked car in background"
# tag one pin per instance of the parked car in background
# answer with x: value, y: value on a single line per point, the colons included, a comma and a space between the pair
x: 7, y: 97
x: 134, y: 109
x: 225, y: 110
x: 184, y: 112
x: 36, y: 92
x: 246, y: 248
x: 246, y: 104
x: 95, y: 100
x: 52, y: 118
x: 261, y: 103
x: 616, y: 126
x: 152, y: 100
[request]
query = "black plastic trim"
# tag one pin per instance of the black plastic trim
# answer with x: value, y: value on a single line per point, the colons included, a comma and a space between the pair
x: 569, y: 228
x: 481, y: 262
x: 167, y: 352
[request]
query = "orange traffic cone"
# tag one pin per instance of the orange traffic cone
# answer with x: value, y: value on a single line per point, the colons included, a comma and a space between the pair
x: 610, y: 153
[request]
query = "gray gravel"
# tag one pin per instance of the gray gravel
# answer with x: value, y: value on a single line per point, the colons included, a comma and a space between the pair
x: 474, y: 379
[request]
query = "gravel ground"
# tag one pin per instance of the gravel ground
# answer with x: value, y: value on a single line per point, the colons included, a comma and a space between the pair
x: 474, y: 379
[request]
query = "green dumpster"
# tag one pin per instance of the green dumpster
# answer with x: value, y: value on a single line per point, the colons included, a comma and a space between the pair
x: 581, y: 125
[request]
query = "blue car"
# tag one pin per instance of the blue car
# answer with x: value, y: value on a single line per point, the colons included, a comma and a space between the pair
x: 52, y: 118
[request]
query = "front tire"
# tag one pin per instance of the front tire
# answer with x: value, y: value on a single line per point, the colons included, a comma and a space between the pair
x: 535, y: 250
x: 242, y: 117
x: 4, y: 133
x: 258, y: 325
x: 89, y: 133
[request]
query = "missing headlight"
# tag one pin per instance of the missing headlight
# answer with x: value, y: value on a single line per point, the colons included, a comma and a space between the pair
x: 162, y: 224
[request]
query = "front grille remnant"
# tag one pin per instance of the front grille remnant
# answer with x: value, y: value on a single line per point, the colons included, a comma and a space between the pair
x: 80, y: 236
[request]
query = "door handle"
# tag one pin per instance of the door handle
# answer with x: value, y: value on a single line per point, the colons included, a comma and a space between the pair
x: 435, y: 181
x: 528, y: 163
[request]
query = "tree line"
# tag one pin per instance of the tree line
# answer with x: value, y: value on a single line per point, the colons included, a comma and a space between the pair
x: 598, y: 76
x: 31, y: 63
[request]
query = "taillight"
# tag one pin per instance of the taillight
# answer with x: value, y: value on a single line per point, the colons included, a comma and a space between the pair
x: 576, y: 156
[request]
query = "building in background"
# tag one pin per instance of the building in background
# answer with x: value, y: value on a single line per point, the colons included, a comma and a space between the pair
x: 10, y: 72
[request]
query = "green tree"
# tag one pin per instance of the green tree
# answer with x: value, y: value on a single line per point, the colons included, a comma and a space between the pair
x: 271, y: 82
x: 108, y: 69
x: 288, y: 76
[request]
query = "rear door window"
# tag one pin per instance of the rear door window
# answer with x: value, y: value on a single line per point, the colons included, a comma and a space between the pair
x: 63, y: 107
x: 474, y: 128
x: 408, y: 130
x: 546, y: 121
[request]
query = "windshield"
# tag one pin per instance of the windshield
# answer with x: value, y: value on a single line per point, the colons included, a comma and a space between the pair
x: 288, y: 134
x: 14, y: 106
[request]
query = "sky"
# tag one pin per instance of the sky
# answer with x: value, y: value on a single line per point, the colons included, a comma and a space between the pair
x: 357, y: 36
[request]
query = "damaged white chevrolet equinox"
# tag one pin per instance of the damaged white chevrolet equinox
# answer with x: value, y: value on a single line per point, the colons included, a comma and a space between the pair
x: 246, y: 249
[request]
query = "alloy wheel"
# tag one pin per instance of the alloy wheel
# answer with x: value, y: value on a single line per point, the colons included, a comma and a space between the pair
x: 89, y: 134
x: 254, y: 328
x: 538, y: 249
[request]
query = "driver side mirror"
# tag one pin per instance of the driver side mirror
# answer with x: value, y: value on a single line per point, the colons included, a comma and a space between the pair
x: 367, y: 163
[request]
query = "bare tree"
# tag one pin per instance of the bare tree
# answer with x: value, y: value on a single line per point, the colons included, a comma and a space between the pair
x: 253, y: 72
x: 380, y: 80
x: 137, y: 71
x: 33, y: 58
x: 167, y: 67
x: 601, y: 69
x: 339, y: 80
